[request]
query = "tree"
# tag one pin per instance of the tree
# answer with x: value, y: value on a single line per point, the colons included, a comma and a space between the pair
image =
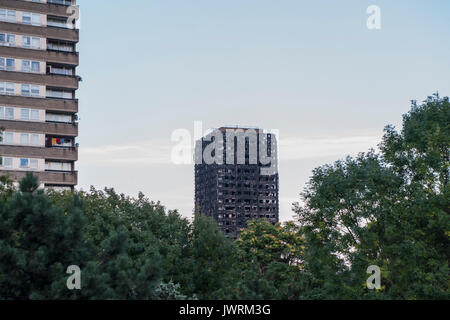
x: 269, y: 262
x: 421, y: 151
x: 210, y: 257
x: 42, y: 235
x: 125, y: 234
x: 390, y: 210
x: 37, y: 244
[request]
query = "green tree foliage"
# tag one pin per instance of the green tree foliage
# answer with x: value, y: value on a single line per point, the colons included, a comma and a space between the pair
x: 210, y: 258
x: 268, y: 262
x: 137, y: 244
x: 127, y: 248
x: 421, y: 151
x: 389, y: 210
x: 37, y: 243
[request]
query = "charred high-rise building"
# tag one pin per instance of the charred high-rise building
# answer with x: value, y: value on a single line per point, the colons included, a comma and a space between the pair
x: 38, y: 83
x: 236, y: 177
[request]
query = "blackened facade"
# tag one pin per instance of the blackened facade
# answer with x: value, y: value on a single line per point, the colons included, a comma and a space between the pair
x: 234, y: 191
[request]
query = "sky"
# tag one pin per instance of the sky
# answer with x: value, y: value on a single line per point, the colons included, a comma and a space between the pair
x: 310, y: 69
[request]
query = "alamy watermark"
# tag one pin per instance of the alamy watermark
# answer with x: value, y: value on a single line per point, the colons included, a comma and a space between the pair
x: 74, y: 16
x: 227, y: 145
x: 74, y: 280
x: 374, y: 281
x: 374, y: 19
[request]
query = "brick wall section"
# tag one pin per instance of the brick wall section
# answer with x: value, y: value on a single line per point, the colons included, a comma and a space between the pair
x: 43, y: 79
x: 46, y: 32
x: 68, y: 154
x: 57, y: 178
x: 71, y: 58
x: 45, y: 8
x: 40, y: 103
x: 69, y: 130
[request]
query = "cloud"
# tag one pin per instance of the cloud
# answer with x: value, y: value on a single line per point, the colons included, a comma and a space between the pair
x: 152, y: 152
x: 296, y: 148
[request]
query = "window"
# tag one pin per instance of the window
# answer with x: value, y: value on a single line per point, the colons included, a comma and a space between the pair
x: 26, y: 41
x: 10, y: 88
x: 25, y: 114
x: 35, y: 66
x: 59, y: 94
x: 31, y: 42
x: 34, y: 115
x: 34, y: 164
x: 36, y: 19
x: 7, y: 162
x: 58, y: 22
x: 58, y: 166
x: 8, y: 138
x: 24, y: 139
x: 35, y: 91
x: 7, y: 15
x: 11, y: 40
x: 49, y: 117
x: 9, y: 113
x: 61, y: 71
x: 26, y: 66
x: 35, y: 140
x: 31, y: 66
x: 63, y: 2
x: 10, y: 64
x: 29, y: 114
x: 36, y: 43
x: 61, y: 46
x: 26, y: 18
x: 11, y: 16
x: 25, y: 90
x: 7, y: 64
x: 30, y: 90
x: 24, y: 163
x: 2, y: 87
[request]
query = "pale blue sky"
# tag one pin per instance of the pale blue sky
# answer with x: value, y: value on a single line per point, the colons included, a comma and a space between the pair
x: 311, y: 69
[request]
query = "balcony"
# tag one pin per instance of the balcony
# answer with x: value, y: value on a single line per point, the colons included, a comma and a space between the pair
x: 53, y: 80
x: 40, y: 103
x: 47, y: 177
x: 45, y: 8
x: 45, y: 32
x: 66, y: 154
x: 59, y: 129
x: 63, y: 57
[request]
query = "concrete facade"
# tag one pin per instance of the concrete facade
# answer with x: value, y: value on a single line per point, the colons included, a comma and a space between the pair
x: 51, y: 90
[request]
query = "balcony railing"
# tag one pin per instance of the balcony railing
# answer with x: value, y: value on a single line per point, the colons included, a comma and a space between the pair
x: 46, y: 177
x: 48, y: 153
x: 61, y: 2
